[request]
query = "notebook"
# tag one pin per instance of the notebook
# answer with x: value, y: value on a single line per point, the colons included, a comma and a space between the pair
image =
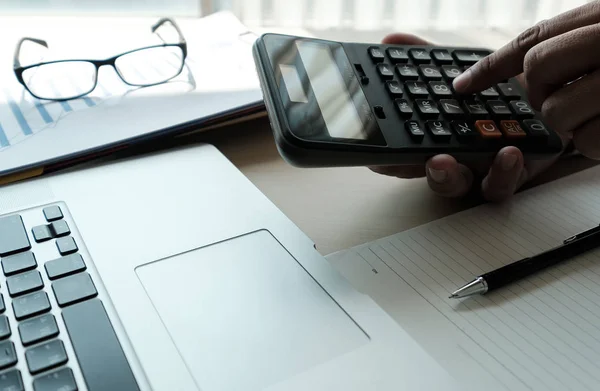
x: 542, y: 333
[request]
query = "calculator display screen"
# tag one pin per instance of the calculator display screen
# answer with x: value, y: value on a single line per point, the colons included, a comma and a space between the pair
x: 320, y: 92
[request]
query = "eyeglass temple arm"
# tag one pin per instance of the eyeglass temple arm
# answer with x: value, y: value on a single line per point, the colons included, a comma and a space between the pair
x: 162, y: 21
x: 16, y: 62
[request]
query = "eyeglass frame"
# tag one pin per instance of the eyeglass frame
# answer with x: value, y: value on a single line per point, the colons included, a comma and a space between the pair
x: 19, y: 70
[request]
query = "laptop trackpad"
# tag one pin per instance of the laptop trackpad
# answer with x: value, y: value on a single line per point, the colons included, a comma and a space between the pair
x: 244, y: 314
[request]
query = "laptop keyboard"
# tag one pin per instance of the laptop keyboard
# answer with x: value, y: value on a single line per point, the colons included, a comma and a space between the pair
x: 55, y: 333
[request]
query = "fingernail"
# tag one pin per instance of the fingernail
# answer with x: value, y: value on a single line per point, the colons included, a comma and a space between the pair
x: 463, y: 80
x: 508, y: 161
x: 438, y: 176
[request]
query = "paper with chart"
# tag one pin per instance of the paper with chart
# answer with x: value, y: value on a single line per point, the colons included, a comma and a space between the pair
x: 542, y: 333
x: 218, y: 78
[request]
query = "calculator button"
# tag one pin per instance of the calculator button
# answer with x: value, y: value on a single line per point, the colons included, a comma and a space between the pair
x: 508, y: 91
x: 385, y: 71
x: 420, y: 56
x: 404, y: 108
x: 429, y: 72
x: 415, y: 130
x: 521, y: 109
x: 451, y: 108
x: 489, y: 93
x: 440, y: 89
x: 450, y: 72
x: 512, y: 129
x: 535, y: 128
x: 376, y: 54
x: 463, y: 130
x: 498, y: 108
x: 475, y: 109
x: 417, y: 88
x: 440, y: 131
x: 488, y: 129
x: 469, y: 57
x: 394, y: 88
x: 442, y: 56
x: 397, y: 55
x: 427, y: 108
x: 407, y: 72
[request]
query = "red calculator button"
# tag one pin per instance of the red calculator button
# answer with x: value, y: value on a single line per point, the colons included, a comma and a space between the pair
x: 488, y: 129
x: 512, y: 129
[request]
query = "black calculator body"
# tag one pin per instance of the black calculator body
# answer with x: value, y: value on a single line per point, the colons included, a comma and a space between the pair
x: 354, y: 104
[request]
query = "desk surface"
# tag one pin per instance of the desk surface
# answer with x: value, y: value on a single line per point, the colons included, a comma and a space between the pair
x: 340, y: 207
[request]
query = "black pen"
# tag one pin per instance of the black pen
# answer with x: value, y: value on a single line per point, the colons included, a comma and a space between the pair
x: 571, y: 247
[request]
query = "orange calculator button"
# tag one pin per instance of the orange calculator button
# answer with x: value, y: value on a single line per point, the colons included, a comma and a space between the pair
x: 512, y: 129
x: 488, y: 129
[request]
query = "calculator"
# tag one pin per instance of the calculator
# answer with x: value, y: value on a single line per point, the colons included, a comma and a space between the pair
x: 355, y: 104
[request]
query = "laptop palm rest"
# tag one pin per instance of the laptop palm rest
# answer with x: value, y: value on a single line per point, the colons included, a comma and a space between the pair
x: 244, y: 314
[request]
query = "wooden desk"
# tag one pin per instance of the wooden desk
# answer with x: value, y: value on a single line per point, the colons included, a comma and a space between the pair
x: 342, y: 207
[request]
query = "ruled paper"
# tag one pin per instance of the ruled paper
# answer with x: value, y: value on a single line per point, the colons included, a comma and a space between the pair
x: 542, y: 333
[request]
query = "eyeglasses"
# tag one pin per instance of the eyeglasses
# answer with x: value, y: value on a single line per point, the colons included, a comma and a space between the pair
x: 71, y: 79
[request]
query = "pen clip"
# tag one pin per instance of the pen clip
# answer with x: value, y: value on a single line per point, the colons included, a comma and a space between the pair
x: 582, y: 234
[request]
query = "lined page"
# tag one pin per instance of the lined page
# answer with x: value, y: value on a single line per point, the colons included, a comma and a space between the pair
x: 542, y: 333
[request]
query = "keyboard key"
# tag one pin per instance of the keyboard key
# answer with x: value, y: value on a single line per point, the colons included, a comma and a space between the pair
x: 31, y: 305
x: 385, y: 71
x: 498, y: 108
x: 12, y: 381
x: 46, y: 356
x: 59, y: 228
x: 439, y: 130
x: 488, y: 129
x: 66, y: 245
x: 489, y: 93
x: 376, y: 54
x: 24, y: 283
x: 38, y: 329
x: 430, y: 72
x: 417, y: 88
x: 420, y: 56
x: 466, y: 57
x: 407, y: 72
x: 415, y: 130
x: 427, y: 108
x: 53, y: 213
x: 404, y: 108
x: 451, y: 108
x: 508, y: 91
x: 61, y: 380
x: 2, y: 306
x: 394, y: 88
x: 18, y: 263
x: 442, y: 56
x: 41, y: 233
x: 72, y: 289
x: 5, y: 331
x: 521, y: 109
x: 535, y: 128
x: 475, y: 109
x: 463, y: 130
x: 440, y: 89
x: 512, y: 129
x: 8, y: 355
x: 13, y: 237
x: 450, y: 72
x: 397, y: 55
x: 64, y: 266
x: 98, y: 353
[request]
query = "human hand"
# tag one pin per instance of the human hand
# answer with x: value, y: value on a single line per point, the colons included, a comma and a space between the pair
x: 497, y: 180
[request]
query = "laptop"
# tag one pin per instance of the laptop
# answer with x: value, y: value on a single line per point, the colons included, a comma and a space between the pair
x: 171, y: 271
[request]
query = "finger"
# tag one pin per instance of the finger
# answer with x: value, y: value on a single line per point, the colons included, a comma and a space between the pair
x: 447, y: 177
x: 578, y: 99
x: 587, y: 139
x: 506, y: 173
x: 560, y: 60
x: 404, y: 172
x: 404, y: 39
x: 508, y: 60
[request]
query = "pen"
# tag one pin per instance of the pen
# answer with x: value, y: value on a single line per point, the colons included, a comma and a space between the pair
x: 505, y: 275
